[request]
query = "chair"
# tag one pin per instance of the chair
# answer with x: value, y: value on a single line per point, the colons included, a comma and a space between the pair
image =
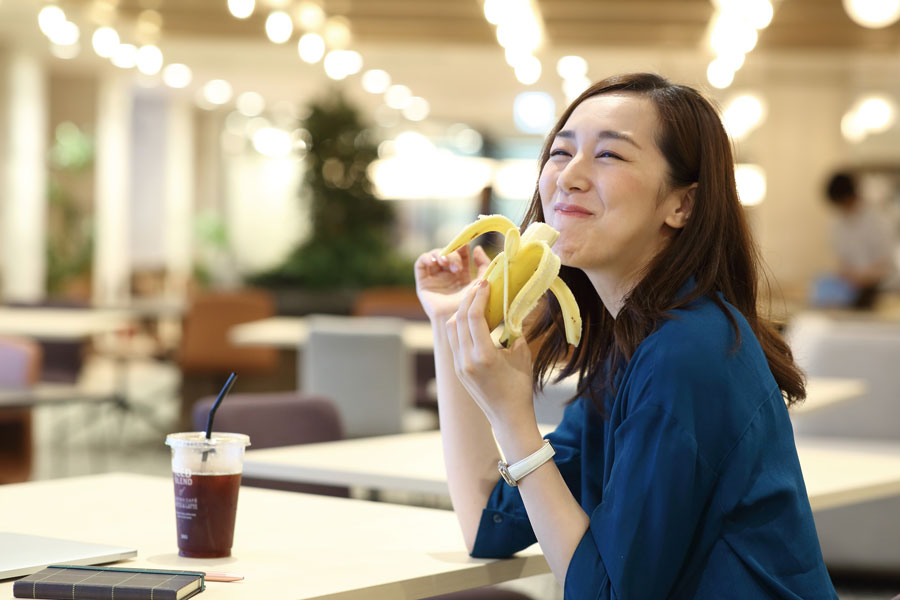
x: 860, y: 536
x: 398, y: 301
x: 20, y: 366
x: 389, y: 301
x: 62, y: 360
x: 276, y: 419
x: 206, y: 356
x: 364, y: 366
x: 865, y: 349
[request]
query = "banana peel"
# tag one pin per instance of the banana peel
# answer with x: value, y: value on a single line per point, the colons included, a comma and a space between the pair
x: 520, y: 275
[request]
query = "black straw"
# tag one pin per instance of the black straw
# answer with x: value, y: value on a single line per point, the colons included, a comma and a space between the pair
x: 215, y: 406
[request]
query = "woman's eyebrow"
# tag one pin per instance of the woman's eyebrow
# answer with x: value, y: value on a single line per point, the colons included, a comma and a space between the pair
x: 606, y: 133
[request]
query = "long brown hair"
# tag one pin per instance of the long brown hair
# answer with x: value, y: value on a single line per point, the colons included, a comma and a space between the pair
x: 714, y: 247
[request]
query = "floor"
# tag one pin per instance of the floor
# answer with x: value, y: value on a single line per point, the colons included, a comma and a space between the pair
x: 79, y: 440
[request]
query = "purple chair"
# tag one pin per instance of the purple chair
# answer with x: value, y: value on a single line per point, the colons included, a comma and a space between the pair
x: 276, y: 419
x: 20, y: 367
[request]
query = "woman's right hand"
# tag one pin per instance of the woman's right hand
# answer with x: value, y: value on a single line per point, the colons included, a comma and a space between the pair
x: 441, y: 280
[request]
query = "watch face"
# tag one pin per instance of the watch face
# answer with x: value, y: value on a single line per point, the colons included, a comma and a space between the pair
x: 504, y: 473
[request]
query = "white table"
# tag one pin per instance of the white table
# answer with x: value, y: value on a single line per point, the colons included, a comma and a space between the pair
x: 291, y: 333
x: 53, y: 394
x: 287, y: 545
x: 837, y: 472
x: 61, y: 324
x: 844, y: 471
x: 823, y: 392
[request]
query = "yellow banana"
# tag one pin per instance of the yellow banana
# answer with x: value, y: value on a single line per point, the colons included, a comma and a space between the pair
x: 520, y: 275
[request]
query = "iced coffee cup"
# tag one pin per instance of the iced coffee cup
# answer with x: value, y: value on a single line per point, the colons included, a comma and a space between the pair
x: 207, y: 476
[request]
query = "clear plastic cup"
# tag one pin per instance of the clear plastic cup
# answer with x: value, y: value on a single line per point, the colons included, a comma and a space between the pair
x: 207, y: 476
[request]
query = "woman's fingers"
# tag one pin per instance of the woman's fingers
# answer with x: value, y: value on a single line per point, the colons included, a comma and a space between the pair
x: 462, y: 320
x: 478, y: 327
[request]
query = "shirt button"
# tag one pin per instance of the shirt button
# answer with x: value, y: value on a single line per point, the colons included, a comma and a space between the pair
x: 498, y: 518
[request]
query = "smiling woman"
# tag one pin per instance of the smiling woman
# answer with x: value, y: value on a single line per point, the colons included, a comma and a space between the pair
x: 674, y: 472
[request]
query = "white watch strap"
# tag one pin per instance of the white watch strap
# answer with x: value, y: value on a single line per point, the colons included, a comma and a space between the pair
x: 528, y: 464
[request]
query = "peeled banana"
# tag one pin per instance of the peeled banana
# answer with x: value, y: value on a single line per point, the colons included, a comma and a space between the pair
x: 520, y: 275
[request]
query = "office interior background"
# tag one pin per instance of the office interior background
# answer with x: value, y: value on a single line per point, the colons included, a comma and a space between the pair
x: 159, y: 151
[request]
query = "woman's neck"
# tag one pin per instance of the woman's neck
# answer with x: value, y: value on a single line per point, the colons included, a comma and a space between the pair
x: 612, y: 289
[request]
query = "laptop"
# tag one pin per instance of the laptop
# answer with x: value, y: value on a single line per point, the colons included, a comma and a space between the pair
x: 22, y: 554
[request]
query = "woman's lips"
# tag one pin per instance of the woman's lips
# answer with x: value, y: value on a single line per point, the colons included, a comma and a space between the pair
x: 572, y: 210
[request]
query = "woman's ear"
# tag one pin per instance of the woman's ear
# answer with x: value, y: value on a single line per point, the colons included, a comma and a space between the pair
x: 680, y: 205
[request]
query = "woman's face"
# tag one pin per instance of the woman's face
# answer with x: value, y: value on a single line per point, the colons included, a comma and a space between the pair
x: 604, y: 187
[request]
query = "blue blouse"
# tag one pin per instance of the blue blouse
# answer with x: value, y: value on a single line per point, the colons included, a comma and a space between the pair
x: 692, y: 482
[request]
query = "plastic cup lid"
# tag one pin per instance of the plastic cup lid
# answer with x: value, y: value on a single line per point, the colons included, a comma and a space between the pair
x: 197, y: 439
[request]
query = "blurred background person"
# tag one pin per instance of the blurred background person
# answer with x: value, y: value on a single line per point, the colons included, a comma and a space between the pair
x: 863, y: 243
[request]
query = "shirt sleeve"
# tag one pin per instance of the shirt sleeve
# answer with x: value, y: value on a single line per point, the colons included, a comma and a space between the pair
x: 504, y: 528
x: 640, y: 535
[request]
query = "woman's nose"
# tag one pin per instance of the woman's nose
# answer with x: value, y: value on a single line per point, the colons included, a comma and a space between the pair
x: 574, y: 177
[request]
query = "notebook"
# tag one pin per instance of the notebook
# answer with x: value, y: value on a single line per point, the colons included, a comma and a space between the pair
x: 22, y: 554
x: 71, y: 582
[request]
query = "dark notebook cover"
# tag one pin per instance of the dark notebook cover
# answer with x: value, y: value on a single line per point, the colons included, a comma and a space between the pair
x: 108, y: 583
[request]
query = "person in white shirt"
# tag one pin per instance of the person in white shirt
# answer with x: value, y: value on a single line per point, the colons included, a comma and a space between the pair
x: 862, y: 241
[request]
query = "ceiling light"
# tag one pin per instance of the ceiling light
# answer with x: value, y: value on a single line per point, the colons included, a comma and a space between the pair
x: 65, y: 33
x: 311, y: 47
x: 50, y: 18
x: 516, y: 56
x: 533, y: 112
x: 523, y: 34
x: 341, y: 63
x: 177, y: 75
x: 876, y: 114
x: 149, y: 22
x: 494, y: 11
x: 376, y: 81
x: 759, y: 13
x: 528, y: 71
x: 217, y: 91
x: 397, y: 96
x: 310, y: 15
x: 719, y: 74
x: 337, y: 32
x: 279, y: 26
x: 125, y: 56
x: 250, y: 104
x: 732, y: 35
x: 272, y: 142
x: 852, y: 128
x: 873, y: 14
x: 149, y: 60
x: 105, y: 41
x: 751, y: 183
x: 743, y: 115
x: 571, y: 67
x: 241, y: 9
x: 417, y: 109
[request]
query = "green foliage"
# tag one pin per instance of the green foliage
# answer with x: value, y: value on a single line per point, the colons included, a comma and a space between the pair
x: 352, y: 239
x: 70, y: 240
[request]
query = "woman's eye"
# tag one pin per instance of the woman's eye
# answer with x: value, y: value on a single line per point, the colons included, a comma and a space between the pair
x: 558, y: 152
x: 608, y: 155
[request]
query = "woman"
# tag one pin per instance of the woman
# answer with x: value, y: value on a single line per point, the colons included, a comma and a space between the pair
x: 675, y: 473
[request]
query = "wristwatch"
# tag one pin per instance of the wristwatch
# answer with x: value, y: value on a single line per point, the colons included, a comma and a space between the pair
x: 514, y: 473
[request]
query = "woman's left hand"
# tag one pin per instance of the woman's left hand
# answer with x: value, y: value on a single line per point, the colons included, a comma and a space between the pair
x: 499, y: 379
